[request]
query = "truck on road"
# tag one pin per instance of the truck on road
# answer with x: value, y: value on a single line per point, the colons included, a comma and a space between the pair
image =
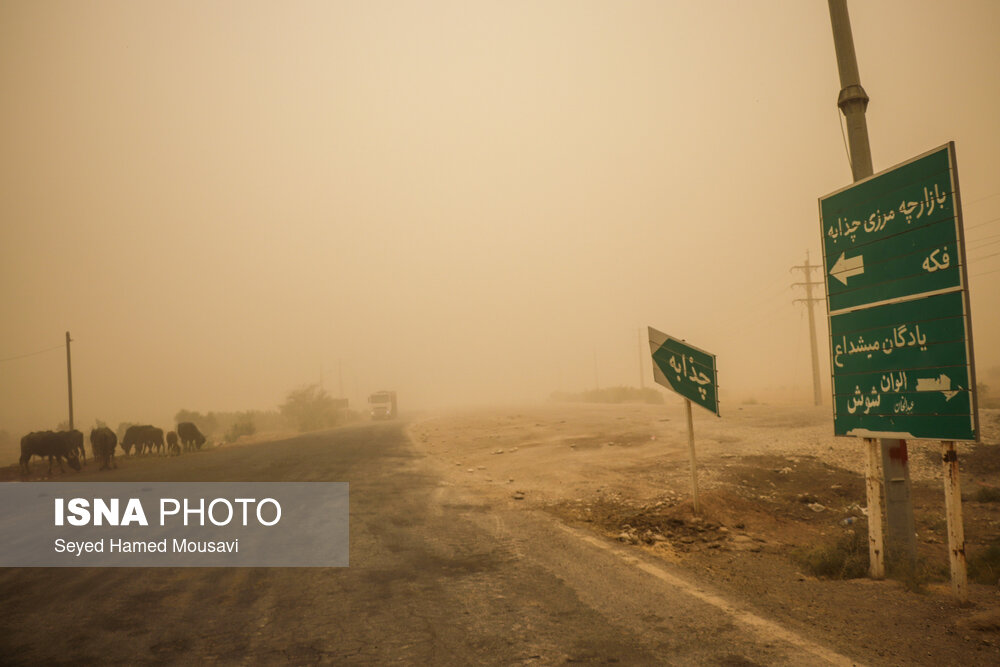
x: 383, y: 405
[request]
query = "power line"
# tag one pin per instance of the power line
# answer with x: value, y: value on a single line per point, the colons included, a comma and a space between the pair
x: 976, y: 201
x: 752, y: 308
x: 978, y: 259
x: 984, y: 246
x: 983, y: 224
x: 979, y: 241
x: 31, y: 354
x: 840, y: 121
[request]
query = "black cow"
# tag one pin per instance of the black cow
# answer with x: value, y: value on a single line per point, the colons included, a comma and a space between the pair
x: 190, y: 436
x: 133, y: 438
x: 76, y: 437
x: 102, y: 442
x: 154, y: 440
x: 172, y: 447
x: 61, y: 445
x: 143, y: 438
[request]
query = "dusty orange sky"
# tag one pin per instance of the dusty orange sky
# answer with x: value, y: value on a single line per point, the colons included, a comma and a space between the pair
x: 463, y: 201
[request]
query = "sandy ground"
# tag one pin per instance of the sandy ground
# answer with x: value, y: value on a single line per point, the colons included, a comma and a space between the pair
x: 773, y: 482
x: 616, y: 438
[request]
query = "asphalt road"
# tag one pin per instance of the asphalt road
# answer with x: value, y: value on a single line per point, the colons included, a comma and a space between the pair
x: 438, y: 576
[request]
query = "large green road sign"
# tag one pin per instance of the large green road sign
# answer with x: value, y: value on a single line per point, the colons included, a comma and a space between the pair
x: 900, y: 332
x: 687, y: 370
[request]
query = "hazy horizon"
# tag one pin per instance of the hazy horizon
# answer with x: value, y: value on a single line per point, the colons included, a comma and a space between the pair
x: 468, y: 203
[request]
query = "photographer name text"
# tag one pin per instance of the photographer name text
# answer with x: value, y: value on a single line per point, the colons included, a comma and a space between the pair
x: 78, y: 548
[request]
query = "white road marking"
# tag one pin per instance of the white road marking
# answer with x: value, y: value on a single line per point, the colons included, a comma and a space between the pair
x: 762, y: 626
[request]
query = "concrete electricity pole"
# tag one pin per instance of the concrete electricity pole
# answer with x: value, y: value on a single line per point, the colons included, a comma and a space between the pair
x: 891, y: 463
x: 809, y: 300
x: 69, y: 380
x: 853, y: 100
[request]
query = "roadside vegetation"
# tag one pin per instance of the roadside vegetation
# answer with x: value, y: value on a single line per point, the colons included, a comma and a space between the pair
x: 845, y: 558
x: 307, y: 408
x: 984, y: 565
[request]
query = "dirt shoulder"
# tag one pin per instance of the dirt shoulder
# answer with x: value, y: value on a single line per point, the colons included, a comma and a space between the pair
x: 776, y: 488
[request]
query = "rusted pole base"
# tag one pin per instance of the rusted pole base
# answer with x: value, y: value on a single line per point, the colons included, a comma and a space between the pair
x: 956, y: 531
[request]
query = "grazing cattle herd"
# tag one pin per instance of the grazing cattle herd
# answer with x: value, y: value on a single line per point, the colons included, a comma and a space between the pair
x: 137, y: 441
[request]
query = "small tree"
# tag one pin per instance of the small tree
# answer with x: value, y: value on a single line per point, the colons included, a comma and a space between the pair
x: 242, y: 426
x: 309, y: 408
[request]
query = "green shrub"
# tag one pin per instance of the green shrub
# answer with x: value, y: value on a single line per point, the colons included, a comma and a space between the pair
x: 987, y: 494
x: 242, y: 426
x: 984, y: 566
x: 847, y: 558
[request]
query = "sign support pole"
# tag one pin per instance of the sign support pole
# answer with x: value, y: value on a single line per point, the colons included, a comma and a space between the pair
x: 873, y: 490
x: 691, y: 373
x: 956, y: 531
x: 694, y: 462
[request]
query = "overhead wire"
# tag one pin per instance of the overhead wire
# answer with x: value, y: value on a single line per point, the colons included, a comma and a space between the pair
x: 984, y: 273
x: 765, y: 295
x: 843, y: 134
x: 976, y: 201
x: 32, y: 354
x: 979, y: 259
x: 979, y: 241
x: 991, y: 221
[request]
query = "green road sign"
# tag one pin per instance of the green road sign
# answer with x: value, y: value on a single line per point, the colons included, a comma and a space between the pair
x: 687, y: 370
x: 898, y: 304
x: 893, y: 235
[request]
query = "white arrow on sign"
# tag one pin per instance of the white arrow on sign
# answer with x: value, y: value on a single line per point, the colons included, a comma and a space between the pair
x: 845, y: 268
x: 941, y: 383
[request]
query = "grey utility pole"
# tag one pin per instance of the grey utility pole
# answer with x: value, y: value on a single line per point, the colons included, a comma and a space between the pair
x: 809, y: 301
x: 69, y: 380
x: 891, y: 463
x: 853, y: 100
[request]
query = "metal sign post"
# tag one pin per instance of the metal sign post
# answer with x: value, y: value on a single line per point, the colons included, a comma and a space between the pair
x: 691, y: 373
x: 693, y: 458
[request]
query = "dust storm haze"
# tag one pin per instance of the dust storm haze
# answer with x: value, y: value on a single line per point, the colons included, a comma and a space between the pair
x: 464, y: 202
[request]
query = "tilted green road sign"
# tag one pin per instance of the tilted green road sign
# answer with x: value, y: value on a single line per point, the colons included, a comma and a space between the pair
x: 900, y: 332
x: 687, y: 370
